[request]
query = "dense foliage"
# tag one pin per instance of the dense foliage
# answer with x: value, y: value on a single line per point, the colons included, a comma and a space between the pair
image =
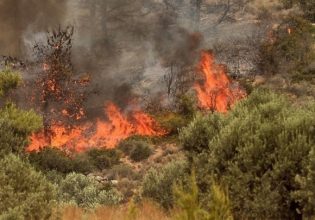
x: 137, y: 150
x: 8, y: 80
x: 86, y: 192
x: 24, y: 193
x: 158, y: 182
x: 259, y: 150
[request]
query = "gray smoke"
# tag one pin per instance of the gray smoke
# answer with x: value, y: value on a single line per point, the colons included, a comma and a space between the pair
x: 19, y: 16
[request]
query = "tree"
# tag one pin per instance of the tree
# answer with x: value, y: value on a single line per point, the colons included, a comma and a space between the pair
x: 56, y: 92
x: 24, y: 193
x: 257, y: 149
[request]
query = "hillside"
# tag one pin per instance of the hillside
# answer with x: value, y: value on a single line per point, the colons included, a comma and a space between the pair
x: 157, y: 109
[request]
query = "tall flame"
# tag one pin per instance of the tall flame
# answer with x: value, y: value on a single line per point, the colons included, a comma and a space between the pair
x: 217, y: 92
x: 105, y: 134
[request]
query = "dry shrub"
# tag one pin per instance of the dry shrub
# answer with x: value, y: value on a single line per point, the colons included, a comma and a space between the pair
x: 143, y: 211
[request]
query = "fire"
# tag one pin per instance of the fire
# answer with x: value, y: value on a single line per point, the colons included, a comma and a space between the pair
x: 217, y: 92
x: 106, y: 133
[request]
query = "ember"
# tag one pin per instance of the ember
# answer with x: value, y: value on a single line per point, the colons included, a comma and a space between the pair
x: 217, y: 92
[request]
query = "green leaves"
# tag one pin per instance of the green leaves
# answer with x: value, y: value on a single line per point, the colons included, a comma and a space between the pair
x: 157, y: 183
x: 257, y: 149
x: 8, y: 80
x: 86, y: 192
x: 24, y: 193
x: 15, y: 127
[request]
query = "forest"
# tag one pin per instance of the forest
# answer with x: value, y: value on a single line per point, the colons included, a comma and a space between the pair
x: 157, y: 109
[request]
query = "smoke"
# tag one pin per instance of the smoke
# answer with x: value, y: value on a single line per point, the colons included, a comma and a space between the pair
x: 19, y: 16
x: 117, y: 42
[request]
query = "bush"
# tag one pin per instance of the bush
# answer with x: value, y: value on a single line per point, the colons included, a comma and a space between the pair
x: 49, y: 159
x: 290, y: 51
x: 136, y: 149
x: 86, y: 192
x: 104, y: 158
x: 187, y: 199
x: 172, y: 122
x: 15, y: 128
x: 187, y: 105
x: 8, y: 80
x: 158, y: 182
x: 24, y: 193
x: 141, y: 151
x: 258, y: 150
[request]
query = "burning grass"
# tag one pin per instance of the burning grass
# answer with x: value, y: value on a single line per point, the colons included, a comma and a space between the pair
x: 109, y: 133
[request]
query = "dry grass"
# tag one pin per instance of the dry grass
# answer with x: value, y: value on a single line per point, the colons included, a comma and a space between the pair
x: 145, y: 211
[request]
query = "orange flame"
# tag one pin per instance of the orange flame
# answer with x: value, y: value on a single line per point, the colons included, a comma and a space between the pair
x: 217, y: 92
x: 105, y: 134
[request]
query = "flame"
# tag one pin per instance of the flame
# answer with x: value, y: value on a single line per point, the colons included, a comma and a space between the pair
x: 217, y: 92
x: 105, y: 134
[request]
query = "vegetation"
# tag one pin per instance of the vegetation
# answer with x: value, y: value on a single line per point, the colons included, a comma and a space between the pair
x: 255, y: 161
x: 86, y: 192
x: 137, y: 150
x: 56, y: 159
x: 8, y: 80
x: 188, y: 202
x: 103, y: 158
x: 157, y: 183
x: 258, y: 149
x: 24, y: 193
x: 290, y: 50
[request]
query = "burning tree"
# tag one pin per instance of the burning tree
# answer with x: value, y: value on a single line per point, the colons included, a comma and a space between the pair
x: 58, y: 94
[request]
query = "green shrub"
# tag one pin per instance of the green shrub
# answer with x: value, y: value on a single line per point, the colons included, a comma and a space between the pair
x: 258, y: 149
x: 54, y: 159
x: 50, y: 158
x: 172, y: 122
x: 187, y: 105
x: 24, y: 193
x: 86, y: 192
x: 15, y: 128
x: 136, y: 149
x: 187, y: 200
x: 158, y: 182
x: 104, y: 158
x: 8, y: 80
x: 141, y: 151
